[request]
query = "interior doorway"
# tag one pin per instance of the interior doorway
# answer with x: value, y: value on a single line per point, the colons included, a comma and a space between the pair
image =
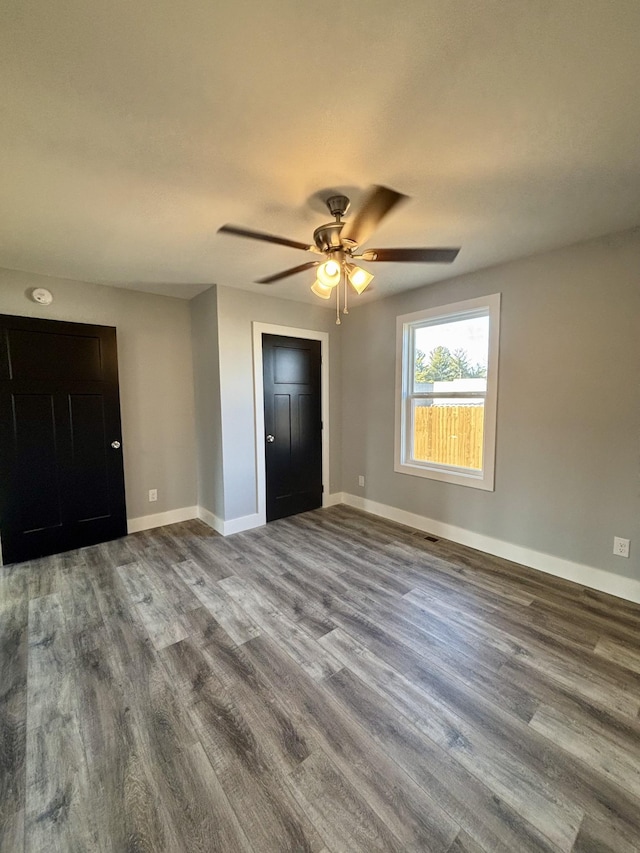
x: 293, y: 425
x: 305, y: 335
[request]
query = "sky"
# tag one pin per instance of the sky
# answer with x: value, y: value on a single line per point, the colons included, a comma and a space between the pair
x: 471, y: 335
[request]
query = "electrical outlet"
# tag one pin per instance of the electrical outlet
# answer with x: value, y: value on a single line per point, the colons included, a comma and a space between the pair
x: 620, y: 546
x: 361, y: 480
x: 153, y: 495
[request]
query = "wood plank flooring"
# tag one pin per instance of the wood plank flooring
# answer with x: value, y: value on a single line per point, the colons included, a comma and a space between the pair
x: 330, y: 682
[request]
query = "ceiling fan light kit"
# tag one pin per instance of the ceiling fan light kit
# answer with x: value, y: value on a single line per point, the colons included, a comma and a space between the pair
x: 338, y: 242
x: 329, y: 273
x: 360, y: 279
x: 321, y: 290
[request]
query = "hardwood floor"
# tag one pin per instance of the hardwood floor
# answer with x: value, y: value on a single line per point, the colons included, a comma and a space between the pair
x: 330, y: 682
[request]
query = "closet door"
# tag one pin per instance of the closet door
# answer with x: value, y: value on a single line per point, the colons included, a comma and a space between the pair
x: 61, y: 468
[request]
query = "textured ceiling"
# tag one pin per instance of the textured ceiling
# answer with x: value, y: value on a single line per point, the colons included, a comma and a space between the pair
x: 132, y: 130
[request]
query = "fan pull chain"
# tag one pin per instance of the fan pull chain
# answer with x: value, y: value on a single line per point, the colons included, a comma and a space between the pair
x: 338, y: 321
x: 345, y: 310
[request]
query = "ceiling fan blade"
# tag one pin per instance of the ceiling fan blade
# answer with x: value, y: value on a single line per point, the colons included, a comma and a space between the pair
x: 378, y: 203
x: 412, y: 256
x: 237, y: 231
x: 269, y: 279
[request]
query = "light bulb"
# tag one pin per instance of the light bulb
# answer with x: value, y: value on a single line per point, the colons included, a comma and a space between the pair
x: 329, y: 273
x: 321, y: 290
x: 359, y: 278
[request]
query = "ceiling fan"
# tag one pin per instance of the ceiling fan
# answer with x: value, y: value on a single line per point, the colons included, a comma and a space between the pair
x: 339, y: 245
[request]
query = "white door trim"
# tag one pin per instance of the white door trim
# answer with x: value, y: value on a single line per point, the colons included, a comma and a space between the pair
x: 258, y: 404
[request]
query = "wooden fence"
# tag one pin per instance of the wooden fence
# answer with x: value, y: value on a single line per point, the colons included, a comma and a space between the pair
x: 450, y: 435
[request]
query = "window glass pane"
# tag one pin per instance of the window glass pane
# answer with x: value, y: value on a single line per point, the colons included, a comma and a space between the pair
x: 448, y: 433
x: 451, y: 356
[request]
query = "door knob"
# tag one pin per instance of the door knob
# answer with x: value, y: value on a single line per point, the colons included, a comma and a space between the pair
x: 271, y: 439
x: 115, y: 444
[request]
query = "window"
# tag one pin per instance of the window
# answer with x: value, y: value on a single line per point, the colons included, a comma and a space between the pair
x: 446, y: 389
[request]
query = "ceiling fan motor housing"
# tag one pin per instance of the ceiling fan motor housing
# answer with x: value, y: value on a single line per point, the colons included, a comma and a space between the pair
x: 327, y: 237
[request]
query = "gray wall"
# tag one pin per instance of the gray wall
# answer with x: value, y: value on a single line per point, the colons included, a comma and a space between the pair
x: 206, y: 375
x: 567, y: 461
x: 236, y: 311
x: 156, y: 389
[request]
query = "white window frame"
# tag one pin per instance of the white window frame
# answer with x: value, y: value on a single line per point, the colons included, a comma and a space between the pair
x: 405, y: 395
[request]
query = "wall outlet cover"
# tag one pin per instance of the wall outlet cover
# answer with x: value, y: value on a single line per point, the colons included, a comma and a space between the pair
x: 153, y: 495
x: 620, y: 546
x: 361, y: 480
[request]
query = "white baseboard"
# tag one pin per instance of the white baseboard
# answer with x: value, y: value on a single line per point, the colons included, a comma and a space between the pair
x: 590, y: 576
x: 333, y: 499
x: 224, y: 528
x: 245, y: 522
x: 248, y: 522
x: 212, y: 520
x: 159, y: 519
x: 234, y: 525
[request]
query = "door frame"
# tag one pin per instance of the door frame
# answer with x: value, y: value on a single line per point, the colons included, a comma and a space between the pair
x: 258, y: 408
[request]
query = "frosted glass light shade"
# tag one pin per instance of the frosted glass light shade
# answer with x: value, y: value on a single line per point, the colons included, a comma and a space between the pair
x: 329, y: 273
x: 321, y: 290
x: 360, y: 279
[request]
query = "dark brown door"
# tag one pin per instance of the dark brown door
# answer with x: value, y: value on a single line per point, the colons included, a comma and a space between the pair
x: 61, y: 471
x: 293, y: 425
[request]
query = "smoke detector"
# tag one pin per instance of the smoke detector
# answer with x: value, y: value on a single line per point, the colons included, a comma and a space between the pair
x: 42, y: 296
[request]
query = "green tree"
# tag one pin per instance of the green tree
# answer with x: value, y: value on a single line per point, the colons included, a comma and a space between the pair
x: 445, y: 366
x: 464, y: 369
x: 420, y: 367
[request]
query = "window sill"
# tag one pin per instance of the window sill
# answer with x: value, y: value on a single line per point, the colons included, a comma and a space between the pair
x: 460, y: 477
